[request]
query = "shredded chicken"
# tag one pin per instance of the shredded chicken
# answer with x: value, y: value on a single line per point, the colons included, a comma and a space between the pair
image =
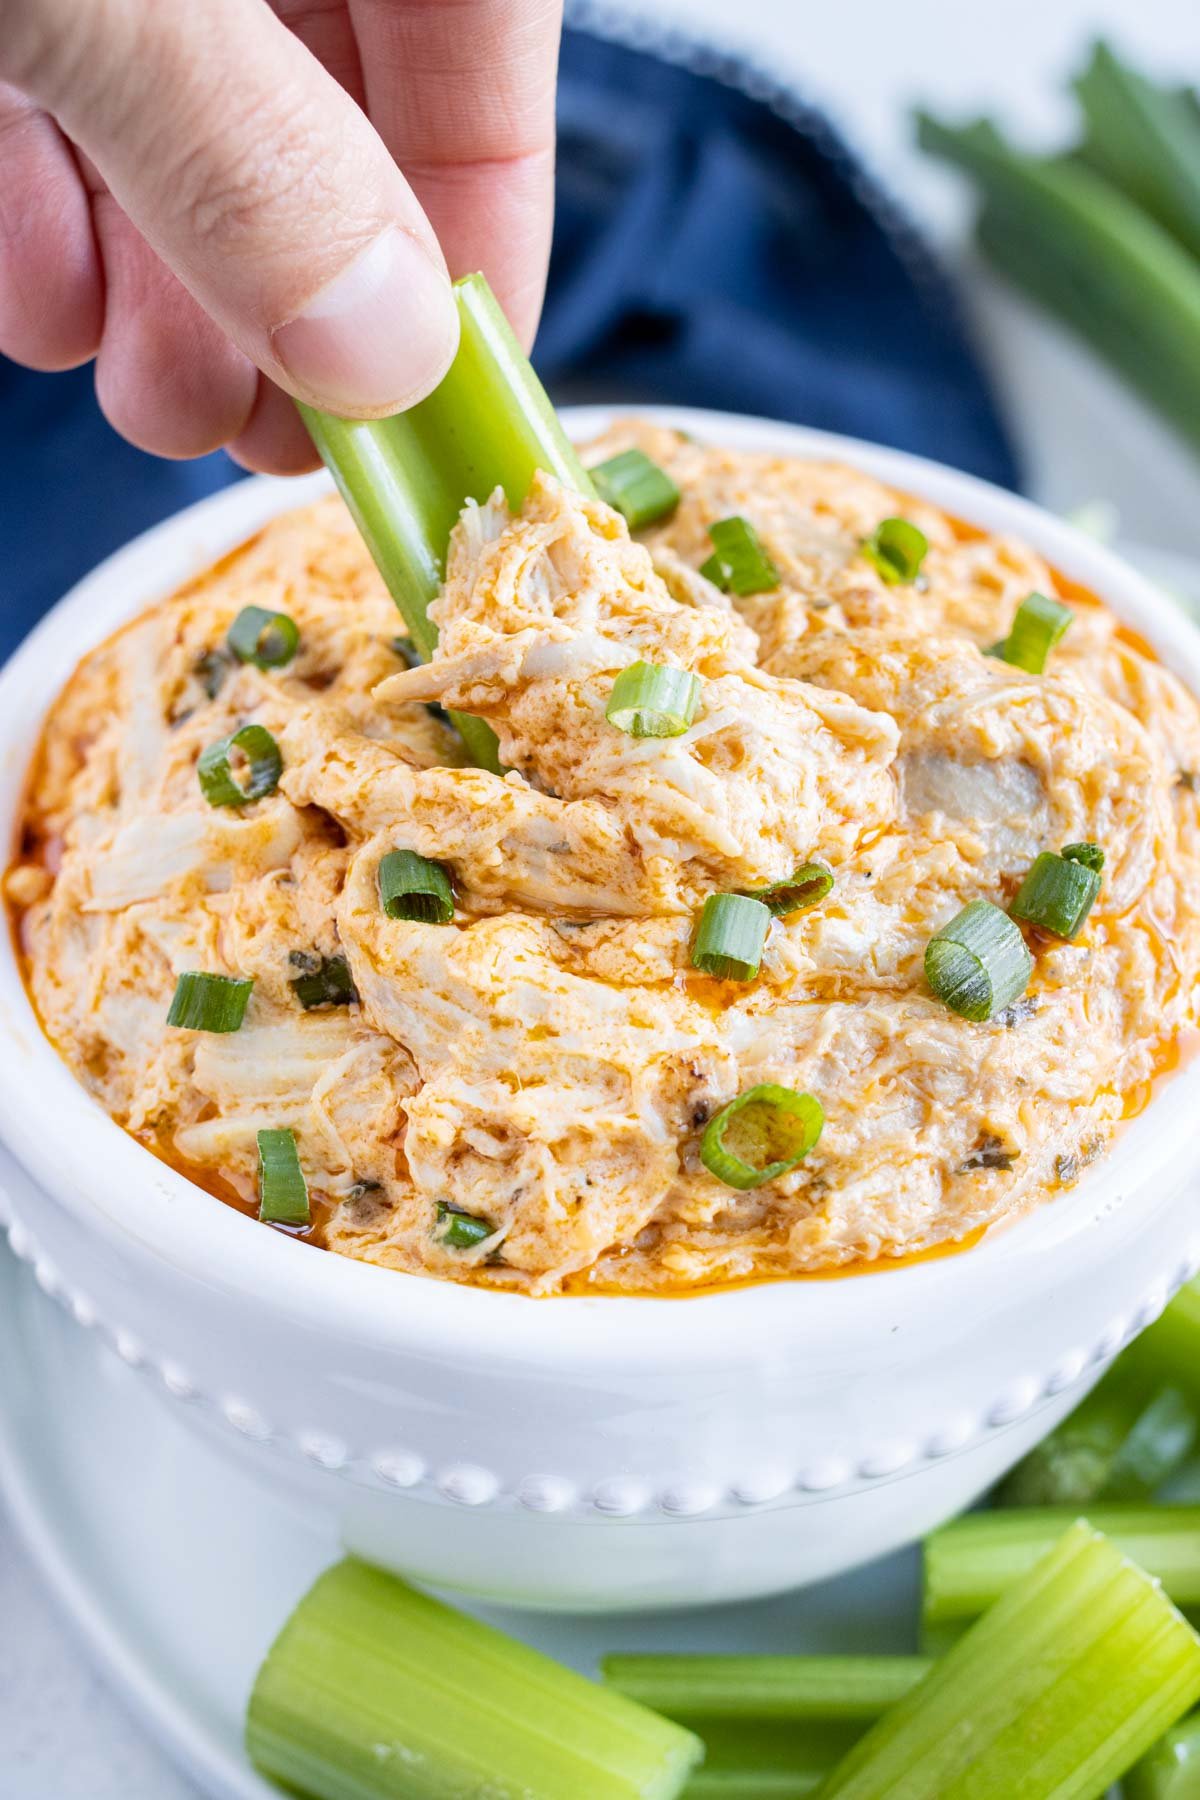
x: 547, y: 1061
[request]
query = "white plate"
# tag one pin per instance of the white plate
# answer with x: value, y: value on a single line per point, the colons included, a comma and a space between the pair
x: 178, y: 1568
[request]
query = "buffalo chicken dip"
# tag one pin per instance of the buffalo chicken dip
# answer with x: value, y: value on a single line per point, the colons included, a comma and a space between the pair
x: 837, y: 897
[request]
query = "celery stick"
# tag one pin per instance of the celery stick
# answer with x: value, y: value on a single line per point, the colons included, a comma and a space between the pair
x: 768, y: 1761
x: 1146, y: 140
x: 488, y: 424
x: 970, y: 1563
x: 1120, y: 1443
x: 1062, y: 1684
x: 1171, y: 1770
x: 373, y: 1691
x: 1171, y: 1346
x: 1084, y: 250
x: 824, y: 1689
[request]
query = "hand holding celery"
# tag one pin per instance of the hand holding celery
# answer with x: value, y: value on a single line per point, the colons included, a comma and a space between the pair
x: 406, y: 479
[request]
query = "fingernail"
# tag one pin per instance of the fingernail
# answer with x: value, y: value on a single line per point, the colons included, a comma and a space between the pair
x: 379, y: 336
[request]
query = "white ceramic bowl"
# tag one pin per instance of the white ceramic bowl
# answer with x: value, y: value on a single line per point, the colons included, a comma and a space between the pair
x: 596, y: 1452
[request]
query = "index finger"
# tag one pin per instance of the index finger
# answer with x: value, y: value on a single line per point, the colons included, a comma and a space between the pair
x: 462, y: 93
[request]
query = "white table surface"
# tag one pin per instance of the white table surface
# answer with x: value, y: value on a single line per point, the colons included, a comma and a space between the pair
x: 62, y: 1735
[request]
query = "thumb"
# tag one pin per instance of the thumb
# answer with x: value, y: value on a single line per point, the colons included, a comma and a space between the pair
x: 257, y: 180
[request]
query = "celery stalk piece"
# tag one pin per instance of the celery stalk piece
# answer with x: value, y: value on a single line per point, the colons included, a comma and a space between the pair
x: 1171, y: 1770
x: 487, y: 424
x: 824, y: 1689
x: 756, y: 1760
x: 1121, y: 1443
x: 1146, y: 140
x: 1082, y: 249
x: 970, y: 1563
x: 373, y: 1691
x: 1060, y: 1687
x: 1171, y: 1346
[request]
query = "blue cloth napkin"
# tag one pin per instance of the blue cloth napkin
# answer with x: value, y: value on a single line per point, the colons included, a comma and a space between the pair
x: 716, y: 244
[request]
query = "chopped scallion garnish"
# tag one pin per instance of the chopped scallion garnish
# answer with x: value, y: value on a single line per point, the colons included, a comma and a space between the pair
x: 761, y: 1135
x: 282, y: 1190
x: 806, y: 887
x: 730, y: 937
x: 412, y: 887
x: 373, y: 1691
x: 461, y: 1230
x: 210, y: 671
x: 652, y: 700
x: 209, y: 1002
x: 739, y: 564
x: 330, y: 983
x: 979, y: 963
x: 896, y: 549
x: 218, y: 777
x: 636, y: 487
x: 1039, y: 624
x: 1057, y: 894
x: 1090, y: 855
x: 266, y: 639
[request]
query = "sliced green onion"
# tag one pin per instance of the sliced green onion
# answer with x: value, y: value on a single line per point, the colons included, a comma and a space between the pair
x: 806, y: 887
x: 978, y: 963
x: 210, y: 671
x: 1038, y: 625
x: 652, y: 700
x: 218, y: 778
x: 373, y: 1691
x: 1171, y: 1770
x: 730, y: 937
x: 969, y: 1563
x: 1121, y: 1443
x: 328, y: 983
x: 1057, y: 895
x: 209, y: 1002
x: 636, y: 487
x: 739, y: 564
x: 1063, y: 1684
x: 1090, y: 855
x: 282, y: 1190
x: 461, y: 1230
x: 488, y: 424
x: 412, y: 887
x: 823, y: 1689
x: 761, y: 1135
x: 266, y: 639
x: 896, y: 549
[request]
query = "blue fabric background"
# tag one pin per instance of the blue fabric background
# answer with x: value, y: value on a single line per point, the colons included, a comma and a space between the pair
x: 711, y: 247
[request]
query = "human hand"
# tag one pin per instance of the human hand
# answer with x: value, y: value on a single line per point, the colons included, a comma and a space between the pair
x: 207, y: 198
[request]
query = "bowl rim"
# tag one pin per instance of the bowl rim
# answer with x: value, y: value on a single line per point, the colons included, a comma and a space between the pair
x: 70, y: 1144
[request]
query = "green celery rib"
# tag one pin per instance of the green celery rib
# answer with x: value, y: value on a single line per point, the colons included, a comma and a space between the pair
x: 1061, y: 1685
x: 1171, y: 1770
x: 1121, y: 1442
x: 373, y: 1691
x: 1146, y: 140
x: 488, y: 424
x: 970, y: 1563
x: 1171, y: 1346
x: 768, y: 1760
x: 1082, y: 249
x: 824, y: 1689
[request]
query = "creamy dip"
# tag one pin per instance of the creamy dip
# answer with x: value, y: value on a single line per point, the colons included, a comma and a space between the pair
x: 548, y: 1060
